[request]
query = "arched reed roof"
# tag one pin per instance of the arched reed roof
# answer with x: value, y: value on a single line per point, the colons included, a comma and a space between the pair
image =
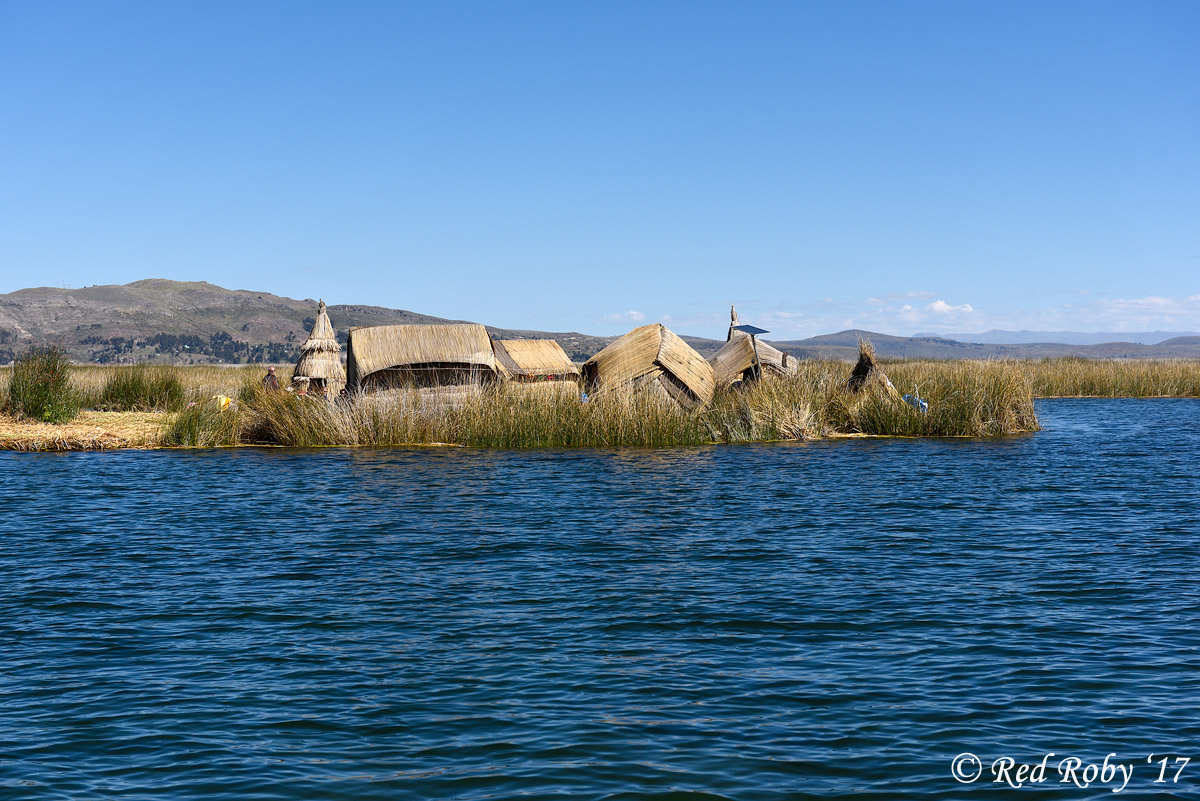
x: 653, y: 356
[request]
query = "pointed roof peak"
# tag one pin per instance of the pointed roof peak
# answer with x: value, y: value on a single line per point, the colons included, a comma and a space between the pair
x: 733, y: 323
x: 322, y: 335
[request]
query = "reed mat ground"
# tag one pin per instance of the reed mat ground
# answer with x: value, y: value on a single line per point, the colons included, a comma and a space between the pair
x: 87, y: 432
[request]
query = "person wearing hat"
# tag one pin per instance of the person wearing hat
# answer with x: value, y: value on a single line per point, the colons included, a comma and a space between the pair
x: 270, y: 381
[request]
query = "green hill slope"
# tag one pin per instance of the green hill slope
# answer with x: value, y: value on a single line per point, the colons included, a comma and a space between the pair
x: 191, y: 322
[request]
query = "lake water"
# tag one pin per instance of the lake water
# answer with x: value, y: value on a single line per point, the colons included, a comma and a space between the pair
x: 742, y: 622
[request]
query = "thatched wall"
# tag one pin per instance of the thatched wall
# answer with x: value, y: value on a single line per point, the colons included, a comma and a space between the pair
x: 424, y: 354
x: 653, y: 358
x: 535, y: 359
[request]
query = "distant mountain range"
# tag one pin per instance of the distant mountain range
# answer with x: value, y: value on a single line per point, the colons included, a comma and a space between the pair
x: 1001, y: 337
x: 844, y: 345
x: 196, y: 322
x: 189, y: 322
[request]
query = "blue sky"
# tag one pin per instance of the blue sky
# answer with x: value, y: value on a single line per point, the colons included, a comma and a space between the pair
x: 900, y: 167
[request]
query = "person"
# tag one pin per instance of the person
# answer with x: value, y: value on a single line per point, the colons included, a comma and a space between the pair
x: 270, y: 381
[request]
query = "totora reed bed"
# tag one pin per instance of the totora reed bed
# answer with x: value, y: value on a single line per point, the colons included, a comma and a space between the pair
x: 972, y: 400
x: 966, y: 398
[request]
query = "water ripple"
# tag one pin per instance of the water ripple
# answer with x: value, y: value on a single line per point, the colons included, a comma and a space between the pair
x: 771, y: 621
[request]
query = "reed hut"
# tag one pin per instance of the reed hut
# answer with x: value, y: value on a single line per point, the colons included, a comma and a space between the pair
x: 529, y: 361
x: 735, y: 361
x: 321, y: 357
x: 653, y: 358
x: 422, y: 356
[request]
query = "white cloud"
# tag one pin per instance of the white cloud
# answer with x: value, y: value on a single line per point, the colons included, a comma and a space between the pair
x: 891, y: 297
x: 630, y: 316
x: 1151, y: 302
x: 780, y: 315
x: 942, y: 307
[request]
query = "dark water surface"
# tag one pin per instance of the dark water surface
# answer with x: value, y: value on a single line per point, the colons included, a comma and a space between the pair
x: 759, y: 622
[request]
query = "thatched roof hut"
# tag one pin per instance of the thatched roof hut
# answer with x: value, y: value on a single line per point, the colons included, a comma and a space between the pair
x: 321, y: 356
x: 735, y: 361
x: 391, y: 356
x: 533, y: 360
x: 653, y: 358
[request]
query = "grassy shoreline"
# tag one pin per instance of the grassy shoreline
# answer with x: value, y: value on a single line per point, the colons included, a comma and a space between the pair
x: 967, y: 398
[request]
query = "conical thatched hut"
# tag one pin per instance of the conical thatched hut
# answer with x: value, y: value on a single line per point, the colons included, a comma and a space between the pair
x: 395, y: 356
x: 535, y: 361
x: 655, y: 359
x: 735, y: 361
x: 321, y: 357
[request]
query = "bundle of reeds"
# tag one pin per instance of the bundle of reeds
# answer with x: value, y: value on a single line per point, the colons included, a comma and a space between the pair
x: 866, y: 369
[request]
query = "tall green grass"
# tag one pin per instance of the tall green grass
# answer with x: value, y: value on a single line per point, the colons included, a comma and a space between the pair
x: 1062, y: 377
x: 501, y: 417
x: 965, y: 399
x: 142, y: 388
x: 40, y: 387
x: 204, y: 425
x: 778, y: 407
x: 1077, y: 377
x: 512, y: 417
x: 198, y: 381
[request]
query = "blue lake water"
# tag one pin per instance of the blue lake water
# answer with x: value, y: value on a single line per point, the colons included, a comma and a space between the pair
x: 830, y: 619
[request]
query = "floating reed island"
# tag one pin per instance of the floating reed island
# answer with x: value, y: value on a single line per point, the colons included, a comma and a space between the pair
x: 454, y: 384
